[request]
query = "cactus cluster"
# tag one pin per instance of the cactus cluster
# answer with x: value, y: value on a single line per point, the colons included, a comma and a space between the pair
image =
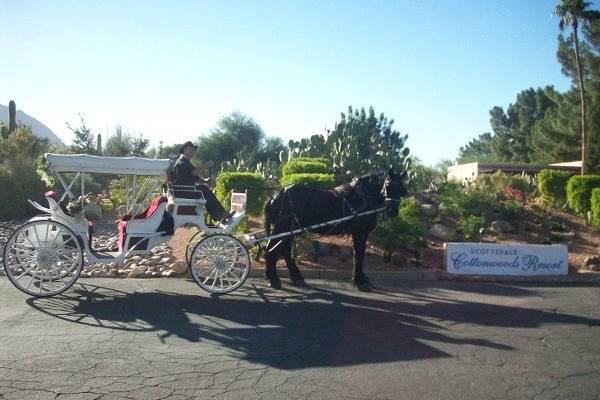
x: 359, y: 143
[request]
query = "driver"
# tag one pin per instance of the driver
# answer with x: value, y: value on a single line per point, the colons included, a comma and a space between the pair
x: 186, y: 174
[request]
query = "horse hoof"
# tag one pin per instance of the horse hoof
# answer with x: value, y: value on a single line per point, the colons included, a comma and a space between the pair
x: 299, y: 283
x: 363, y: 287
x: 275, y: 284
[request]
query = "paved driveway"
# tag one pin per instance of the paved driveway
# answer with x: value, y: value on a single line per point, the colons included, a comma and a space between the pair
x: 154, y: 339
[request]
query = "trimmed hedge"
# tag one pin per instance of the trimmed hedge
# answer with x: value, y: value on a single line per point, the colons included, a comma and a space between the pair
x: 595, y: 206
x: 240, y: 181
x: 552, y: 185
x: 317, y: 181
x: 579, y: 191
x: 305, y: 165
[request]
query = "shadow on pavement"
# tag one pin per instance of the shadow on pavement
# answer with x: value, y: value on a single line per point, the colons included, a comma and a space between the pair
x: 294, y: 329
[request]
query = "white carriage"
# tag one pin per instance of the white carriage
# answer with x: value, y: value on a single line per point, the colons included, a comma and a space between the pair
x: 45, y: 256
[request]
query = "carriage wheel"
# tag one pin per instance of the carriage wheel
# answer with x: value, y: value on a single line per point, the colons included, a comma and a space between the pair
x: 194, y: 240
x: 220, y: 264
x: 43, y: 258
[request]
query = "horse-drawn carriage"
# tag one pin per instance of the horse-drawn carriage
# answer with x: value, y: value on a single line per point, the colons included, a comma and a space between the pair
x: 45, y: 256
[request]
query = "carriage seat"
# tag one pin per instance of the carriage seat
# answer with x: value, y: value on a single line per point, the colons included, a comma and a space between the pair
x: 52, y: 195
x: 147, y: 221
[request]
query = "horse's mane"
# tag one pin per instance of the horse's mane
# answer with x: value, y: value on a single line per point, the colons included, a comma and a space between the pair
x: 372, y: 178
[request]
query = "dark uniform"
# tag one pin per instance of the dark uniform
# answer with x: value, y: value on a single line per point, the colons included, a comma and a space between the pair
x: 184, y: 176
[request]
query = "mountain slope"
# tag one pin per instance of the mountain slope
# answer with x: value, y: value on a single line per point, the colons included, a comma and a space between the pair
x: 38, y: 128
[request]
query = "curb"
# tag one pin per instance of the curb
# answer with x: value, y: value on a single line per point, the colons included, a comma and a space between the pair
x: 420, y: 274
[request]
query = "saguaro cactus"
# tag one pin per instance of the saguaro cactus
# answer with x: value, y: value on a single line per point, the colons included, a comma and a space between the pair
x: 99, y: 144
x: 12, y: 116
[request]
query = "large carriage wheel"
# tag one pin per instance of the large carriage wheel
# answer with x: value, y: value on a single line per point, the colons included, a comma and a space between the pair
x: 194, y: 240
x: 43, y: 258
x: 220, y: 264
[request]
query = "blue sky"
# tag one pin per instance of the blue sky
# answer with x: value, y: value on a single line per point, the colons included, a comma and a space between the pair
x: 170, y: 69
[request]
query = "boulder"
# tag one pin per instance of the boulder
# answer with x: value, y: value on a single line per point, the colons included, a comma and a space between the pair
x: 501, y: 226
x: 444, y: 233
x: 429, y: 210
x: 136, y: 271
x: 592, y: 263
x: 179, y: 267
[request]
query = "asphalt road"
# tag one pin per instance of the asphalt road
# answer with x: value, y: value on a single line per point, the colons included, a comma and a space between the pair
x: 165, y: 338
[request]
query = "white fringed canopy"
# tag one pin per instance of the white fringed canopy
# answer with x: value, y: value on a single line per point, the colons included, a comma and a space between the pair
x: 106, y: 165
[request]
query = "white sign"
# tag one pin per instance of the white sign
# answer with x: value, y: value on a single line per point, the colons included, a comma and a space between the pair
x: 506, y: 259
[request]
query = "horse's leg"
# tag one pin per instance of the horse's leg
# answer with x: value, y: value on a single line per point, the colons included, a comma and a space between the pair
x: 359, y: 279
x: 272, y: 253
x: 295, y: 274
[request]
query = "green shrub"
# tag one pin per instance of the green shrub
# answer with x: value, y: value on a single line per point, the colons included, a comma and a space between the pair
x: 318, y: 181
x: 409, y: 207
x: 579, y: 191
x: 19, y: 182
x: 461, y: 202
x: 512, y: 210
x: 240, y: 181
x: 305, y: 165
x: 522, y: 184
x: 552, y: 185
x: 391, y: 233
x: 472, y: 226
x: 499, y: 180
x: 595, y: 206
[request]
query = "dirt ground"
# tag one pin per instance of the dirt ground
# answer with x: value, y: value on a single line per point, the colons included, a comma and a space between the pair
x: 538, y: 226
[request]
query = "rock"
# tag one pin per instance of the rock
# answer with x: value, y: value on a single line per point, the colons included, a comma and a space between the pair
x: 136, y: 271
x: 154, y: 258
x: 429, y: 210
x: 591, y: 261
x: 594, y: 267
x: 165, y: 260
x: 169, y: 273
x: 99, y: 274
x: 148, y: 274
x: 501, y: 226
x: 443, y: 232
x: 179, y: 267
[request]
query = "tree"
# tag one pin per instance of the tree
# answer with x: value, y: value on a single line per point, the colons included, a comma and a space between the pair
x: 123, y: 144
x: 570, y: 13
x: 236, y: 136
x: 83, y: 143
x: 478, y: 149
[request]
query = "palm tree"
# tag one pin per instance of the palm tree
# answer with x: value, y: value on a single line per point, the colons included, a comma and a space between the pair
x: 570, y: 13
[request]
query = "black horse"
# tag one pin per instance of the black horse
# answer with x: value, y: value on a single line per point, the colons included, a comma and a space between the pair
x: 299, y: 206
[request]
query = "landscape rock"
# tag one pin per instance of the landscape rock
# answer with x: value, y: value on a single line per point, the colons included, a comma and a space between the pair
x: 591, y: 260
x: 444, y: 233
x: 429, y: 210
x: 179, y: 267
x: 136, y: 271
x: 501, y: 226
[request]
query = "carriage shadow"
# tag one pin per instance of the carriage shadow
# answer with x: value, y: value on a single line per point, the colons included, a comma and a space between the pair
x: 317, y: 327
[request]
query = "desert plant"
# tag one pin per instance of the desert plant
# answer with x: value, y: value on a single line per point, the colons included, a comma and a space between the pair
x: 472, y: 226
x: 512, y: 210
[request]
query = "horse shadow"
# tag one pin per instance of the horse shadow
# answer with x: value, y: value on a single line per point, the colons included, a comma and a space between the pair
x: 295, y: 329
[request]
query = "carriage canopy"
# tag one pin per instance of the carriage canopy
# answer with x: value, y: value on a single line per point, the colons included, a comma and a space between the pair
x: 106, y: 165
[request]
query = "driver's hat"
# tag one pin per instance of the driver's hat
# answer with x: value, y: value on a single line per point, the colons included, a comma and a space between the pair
x: 187, y: 144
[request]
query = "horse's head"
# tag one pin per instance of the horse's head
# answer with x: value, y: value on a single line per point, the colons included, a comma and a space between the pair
x: 392, y: 190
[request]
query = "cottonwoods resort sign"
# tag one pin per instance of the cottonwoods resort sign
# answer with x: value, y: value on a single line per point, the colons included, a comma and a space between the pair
x: 506, y: 259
